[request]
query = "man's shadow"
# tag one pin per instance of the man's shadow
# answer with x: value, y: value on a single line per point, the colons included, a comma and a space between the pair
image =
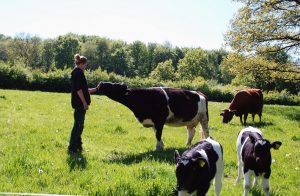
x: 76, y: 161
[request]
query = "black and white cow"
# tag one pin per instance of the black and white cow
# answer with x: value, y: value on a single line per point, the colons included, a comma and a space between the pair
x: 198, y: 166
x: 156, y: 106
x: 254, y: 157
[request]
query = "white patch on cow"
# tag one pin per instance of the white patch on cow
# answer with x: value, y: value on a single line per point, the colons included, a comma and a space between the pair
x: 184, y: 162
x: 266, y: 186
x: 247, y: 181
x: 202, y: 105
x: 203, y: 154
x: 242, y: 146
x: 166, y: 95
x: 185, y: 193
x: 148, y: 123
x: 219, y: 164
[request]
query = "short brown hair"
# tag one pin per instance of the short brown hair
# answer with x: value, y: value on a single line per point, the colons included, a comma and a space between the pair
x: 79, y: 59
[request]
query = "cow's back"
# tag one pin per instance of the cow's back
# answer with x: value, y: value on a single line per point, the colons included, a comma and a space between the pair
x: 247, y: 101
x: 183, y: 103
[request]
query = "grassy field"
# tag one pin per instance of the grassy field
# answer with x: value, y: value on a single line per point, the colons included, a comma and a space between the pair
x: 119, y: 156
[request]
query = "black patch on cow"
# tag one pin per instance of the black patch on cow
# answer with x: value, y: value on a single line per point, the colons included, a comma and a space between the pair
x: 256, y: 154
x: 192, y: 177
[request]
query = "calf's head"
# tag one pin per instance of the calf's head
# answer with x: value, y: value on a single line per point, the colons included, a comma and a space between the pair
x: 227, y: 115
x: 112, y: 88
x: 189, y: 172
x: 262, y: 151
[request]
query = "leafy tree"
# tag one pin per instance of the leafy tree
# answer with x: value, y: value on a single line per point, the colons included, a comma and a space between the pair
x: 103, y: 53
x: 118, y: 59
x: 259, y: 72
x: 65, y: 48
x: 214, y: 58
x: 88, y: 49
x: 162, y: 54
x: 138, y: 54
x: 26, y: 49
x: 266, y: 25
x: 194, y: 64
x: 164, y: 71
x: 48, y: 53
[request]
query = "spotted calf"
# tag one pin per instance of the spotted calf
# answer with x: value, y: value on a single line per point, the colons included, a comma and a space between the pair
x: 254, y: 157
x: 198, y: 166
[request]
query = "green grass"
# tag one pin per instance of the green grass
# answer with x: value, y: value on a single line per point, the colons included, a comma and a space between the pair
x: 119, y: 156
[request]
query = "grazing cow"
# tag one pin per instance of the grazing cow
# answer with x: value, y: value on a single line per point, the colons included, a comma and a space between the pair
x: 196, y: 168
x: 254, y: 157
x: 154, y: 107
x: 245, y: 102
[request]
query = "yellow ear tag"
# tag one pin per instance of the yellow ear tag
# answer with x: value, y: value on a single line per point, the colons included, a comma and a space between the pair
x: 201, y: 163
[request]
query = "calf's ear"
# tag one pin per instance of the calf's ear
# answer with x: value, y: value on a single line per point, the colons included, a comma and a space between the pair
x: 200, y: 162
x: 176, y: 156
x: 276, y: 145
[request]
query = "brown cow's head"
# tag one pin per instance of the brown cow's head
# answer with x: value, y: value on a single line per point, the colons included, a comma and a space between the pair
x: 227, y: 115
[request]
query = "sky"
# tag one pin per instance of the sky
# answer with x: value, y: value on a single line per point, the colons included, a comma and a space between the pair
x: 183, y: 23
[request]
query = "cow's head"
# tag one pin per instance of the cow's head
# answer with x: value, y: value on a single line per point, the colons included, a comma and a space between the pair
x: 189, y: 172
x: 227, y: 115
x: 106, y: 88
x: 262, y: 151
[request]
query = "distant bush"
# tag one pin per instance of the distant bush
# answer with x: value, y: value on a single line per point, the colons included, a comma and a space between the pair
x: 57, y: 80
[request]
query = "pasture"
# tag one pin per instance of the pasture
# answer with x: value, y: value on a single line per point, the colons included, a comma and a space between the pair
x: 119, y: 156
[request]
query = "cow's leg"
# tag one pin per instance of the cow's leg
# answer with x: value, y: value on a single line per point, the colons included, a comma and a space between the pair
x: 260, y: 114
x: 191, y: 133
x: 266, y: 186
x: 240, y: 170
x: 247, y: 182
x: 253, y: 115
x: 158, y: 127
x: 245, y: 118
x: 204, y: 125
x: 218, y: 177
x: 255, y: 183
x: 241, y: 119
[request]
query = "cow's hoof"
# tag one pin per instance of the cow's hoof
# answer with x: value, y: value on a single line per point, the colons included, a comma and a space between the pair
x: 160, y: 146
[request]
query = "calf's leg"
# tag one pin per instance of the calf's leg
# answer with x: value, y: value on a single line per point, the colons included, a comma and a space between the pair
x: 266, y: 186
x: 247, y: 182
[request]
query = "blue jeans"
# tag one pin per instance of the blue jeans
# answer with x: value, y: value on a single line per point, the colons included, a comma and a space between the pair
x: 75, y: 139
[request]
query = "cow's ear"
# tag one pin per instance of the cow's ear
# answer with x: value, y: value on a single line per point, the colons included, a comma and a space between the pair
x: 276, y: 145
x: 222, y: 114
x: 177, y: 156
x: 200, y: 162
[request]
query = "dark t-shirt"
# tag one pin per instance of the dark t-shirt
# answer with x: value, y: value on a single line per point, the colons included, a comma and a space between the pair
x: 78, y: 81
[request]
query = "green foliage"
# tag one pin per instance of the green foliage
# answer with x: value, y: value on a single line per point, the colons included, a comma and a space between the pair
x: 57, y: 80
x: 261, y: 73
x: 194, y: 64
x: 119, y: 156
x: 65, y: 48
x: 164, y: 71
x: 265, y: 25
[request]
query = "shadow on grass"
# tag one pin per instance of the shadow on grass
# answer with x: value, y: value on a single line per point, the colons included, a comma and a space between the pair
x: 76, y: 161
x: 166, y: 156
x: 260, y: 124
x: 259, y: 192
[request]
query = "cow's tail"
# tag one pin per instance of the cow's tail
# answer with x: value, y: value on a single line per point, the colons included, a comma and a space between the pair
x: 206, y: 105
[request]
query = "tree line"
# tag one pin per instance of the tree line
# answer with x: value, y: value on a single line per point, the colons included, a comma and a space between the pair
x: 263, y: 35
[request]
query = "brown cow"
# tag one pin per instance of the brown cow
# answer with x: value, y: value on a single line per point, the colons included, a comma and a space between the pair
x: 249, y: 101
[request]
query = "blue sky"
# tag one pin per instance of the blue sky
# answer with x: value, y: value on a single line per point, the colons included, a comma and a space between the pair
x: 184, y: 23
